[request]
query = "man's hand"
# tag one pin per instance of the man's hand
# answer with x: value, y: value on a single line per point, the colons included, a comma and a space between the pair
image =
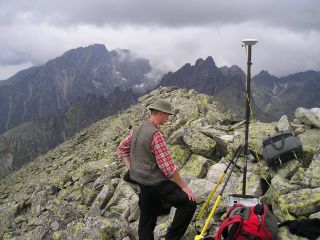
x: 127, y: 161
x: 178, y: 180
x: 191, y: 195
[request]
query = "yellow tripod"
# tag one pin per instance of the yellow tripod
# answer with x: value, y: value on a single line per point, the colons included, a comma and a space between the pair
x: 205, y: 205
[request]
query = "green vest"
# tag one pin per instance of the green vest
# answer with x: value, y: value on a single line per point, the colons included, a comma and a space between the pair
x: 143, y: 167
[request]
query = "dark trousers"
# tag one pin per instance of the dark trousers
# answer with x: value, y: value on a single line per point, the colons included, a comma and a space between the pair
x: 150, y: 199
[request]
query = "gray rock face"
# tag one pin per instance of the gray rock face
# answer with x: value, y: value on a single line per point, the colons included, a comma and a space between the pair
x: 76, y: 191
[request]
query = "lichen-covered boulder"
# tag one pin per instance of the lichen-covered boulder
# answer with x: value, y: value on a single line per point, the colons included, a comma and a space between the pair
x: 199, y: 143
x: 179, y: 154
x: 307, y: 117
x: 302, y: 202
x: 202, y: 188
x: 101, y: 201
x: 96, y: 228
x: 288, y: 169
x: 316, y: 112
x: 215, y: 171
x: 310, y: 141
x: 312, y: 174
x: 197, y: 166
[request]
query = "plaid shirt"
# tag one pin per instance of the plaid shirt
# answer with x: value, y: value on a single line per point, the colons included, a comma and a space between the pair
x: 158, y: 147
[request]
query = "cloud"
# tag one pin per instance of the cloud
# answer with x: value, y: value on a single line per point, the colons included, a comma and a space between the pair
x: 169, y: 33
x: 178, y: 13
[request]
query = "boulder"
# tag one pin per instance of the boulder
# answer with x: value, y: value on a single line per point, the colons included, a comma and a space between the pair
x: 101, y: 201
x: 199, y: 143
x: 288, y: 169
x: 308, y: 117
x: 179, y: 154
x: 197, y: 166
x: 202, y: 188
x: 302, y: 202
x: 283, y: 124
x: 215, y: 171
x: 310, y: 141
x: 312, y: 174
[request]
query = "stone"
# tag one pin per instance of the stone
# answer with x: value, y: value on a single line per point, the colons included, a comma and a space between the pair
x: 179, y: 154
x: 307, y: 117
x: 199, y: 143
x: 288, y: 169
x: 55, y: 226
x: 312, y: 174
x: 299, y: 131
x: 201, y: 188
x: 316, y: 112
x: 310, y: 141
x: 197, y: 166
x: 215, y: 171
x: 315, y: 215
x: 101, y: 200
x: 301, y: 202
x: 283, y: 124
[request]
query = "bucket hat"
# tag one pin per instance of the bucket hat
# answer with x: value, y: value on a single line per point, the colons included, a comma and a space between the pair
x: 161, y: 105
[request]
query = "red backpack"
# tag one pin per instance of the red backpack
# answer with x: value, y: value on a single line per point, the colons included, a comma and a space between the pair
x: 254, y: 223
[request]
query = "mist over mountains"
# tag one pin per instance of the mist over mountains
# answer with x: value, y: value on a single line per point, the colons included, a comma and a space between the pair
x: 42, y: 106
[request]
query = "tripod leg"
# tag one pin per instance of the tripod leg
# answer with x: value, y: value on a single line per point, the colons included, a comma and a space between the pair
x: 234, y: 161
x: 205, y: 205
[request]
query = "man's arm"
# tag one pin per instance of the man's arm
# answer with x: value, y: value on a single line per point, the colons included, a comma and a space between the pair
x: 165, y: 163
x: 181, y: 183
x: 124, y: 150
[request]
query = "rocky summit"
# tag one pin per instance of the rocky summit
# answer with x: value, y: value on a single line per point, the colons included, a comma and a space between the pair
x: 76, y: 190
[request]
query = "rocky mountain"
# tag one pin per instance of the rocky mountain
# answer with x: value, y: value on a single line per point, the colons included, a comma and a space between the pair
x: 44, y: 90
x: 276, y: 96
x: 25, y: 142
x: 226, y: 85
x: 76, y: 191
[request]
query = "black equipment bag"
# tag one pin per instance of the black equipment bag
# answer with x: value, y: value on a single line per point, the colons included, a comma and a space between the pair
x: 280, y: 148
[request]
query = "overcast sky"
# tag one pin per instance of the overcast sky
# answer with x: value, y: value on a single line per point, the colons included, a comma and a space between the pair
x: 168, y: 32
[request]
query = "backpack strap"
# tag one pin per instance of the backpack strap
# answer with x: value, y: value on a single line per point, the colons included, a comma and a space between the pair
x: 229, y: 220
x: 224, y: 226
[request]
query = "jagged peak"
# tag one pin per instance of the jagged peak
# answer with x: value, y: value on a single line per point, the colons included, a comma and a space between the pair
x: 90, y: 48
x: 264, y: 74
x: 94, y: 50
x: 232, y: 71
x: 187, y: 65
x: 208, y: 61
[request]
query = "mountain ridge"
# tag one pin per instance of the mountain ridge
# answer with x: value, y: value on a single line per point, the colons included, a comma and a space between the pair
x: 85, y: 73
x: 76, y: 190
x: 43, y: 90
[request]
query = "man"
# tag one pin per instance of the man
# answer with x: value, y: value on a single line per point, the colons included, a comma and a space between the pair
x: 146, y: 155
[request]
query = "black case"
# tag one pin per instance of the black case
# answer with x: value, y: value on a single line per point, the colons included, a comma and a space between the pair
x: 280, y: 148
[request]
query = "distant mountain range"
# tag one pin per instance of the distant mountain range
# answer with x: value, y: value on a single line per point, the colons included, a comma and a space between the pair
x: 227, y: 85
x: 42, y: 106
x: 278, y: 96
x: 44, y: 90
